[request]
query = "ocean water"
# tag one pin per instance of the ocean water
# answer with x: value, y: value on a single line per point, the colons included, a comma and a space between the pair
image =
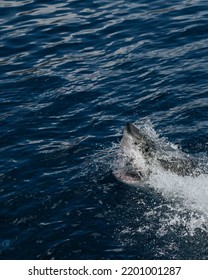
x: 72, y: 74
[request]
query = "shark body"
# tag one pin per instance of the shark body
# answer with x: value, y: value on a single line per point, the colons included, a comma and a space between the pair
x: 143, y: 156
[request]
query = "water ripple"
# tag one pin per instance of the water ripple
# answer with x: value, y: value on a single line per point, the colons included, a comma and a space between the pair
x: 72, y: 74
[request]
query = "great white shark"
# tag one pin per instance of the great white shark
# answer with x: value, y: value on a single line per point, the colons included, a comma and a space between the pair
x: 142, y: 156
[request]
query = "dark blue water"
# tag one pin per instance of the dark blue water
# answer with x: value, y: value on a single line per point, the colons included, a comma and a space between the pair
x: 72, y: 74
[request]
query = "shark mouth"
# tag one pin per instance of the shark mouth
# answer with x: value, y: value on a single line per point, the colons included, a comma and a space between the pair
x: 126, y: 172
x: 128, y: 177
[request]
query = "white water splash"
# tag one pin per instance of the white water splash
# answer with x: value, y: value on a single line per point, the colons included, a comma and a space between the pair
x: 192, y: 192
x: 186, y: 196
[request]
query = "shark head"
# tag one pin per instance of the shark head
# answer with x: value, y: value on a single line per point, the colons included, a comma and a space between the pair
x: 139, y: 151
x: 135, y: 140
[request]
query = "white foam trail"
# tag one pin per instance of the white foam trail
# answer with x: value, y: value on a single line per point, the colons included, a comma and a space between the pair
x: 191, y: 191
